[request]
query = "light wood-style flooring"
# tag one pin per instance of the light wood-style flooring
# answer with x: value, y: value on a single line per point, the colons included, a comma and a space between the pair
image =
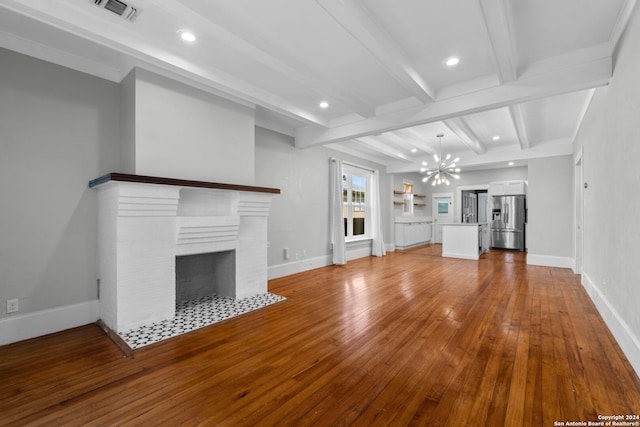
x: 407, y: 339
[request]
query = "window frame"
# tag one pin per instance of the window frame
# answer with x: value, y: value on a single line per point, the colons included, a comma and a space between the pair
x: 350, y: 171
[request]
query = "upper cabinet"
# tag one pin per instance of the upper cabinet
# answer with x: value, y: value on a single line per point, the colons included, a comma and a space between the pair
x: 508, y: 188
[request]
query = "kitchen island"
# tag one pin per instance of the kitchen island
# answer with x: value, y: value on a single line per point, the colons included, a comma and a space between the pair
x: 464, y: 240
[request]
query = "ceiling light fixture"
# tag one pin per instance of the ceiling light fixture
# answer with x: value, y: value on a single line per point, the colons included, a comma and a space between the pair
x: 324, y: 104
x: 444, y: 170
x: 414, y: 150
x: 511, y: 163
x: 187, y: 36
x: 452, y: 61
x: 496, y: 138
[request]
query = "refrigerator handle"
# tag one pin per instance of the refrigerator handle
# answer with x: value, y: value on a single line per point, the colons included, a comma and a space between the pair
x: 506, y: 213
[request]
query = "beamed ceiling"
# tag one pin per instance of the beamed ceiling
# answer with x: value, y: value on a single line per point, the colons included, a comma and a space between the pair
x: 527, y: 69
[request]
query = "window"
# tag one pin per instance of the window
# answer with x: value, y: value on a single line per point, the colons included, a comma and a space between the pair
x: 443, y: 207
x: 356, y: 184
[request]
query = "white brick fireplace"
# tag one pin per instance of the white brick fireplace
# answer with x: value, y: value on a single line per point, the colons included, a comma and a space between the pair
x: 145, y: 222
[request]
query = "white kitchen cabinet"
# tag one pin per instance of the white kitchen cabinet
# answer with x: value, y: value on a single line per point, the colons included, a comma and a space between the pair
x: 497, y: 188
x: 412, y: 234
x: 508, y: 188
x: 516, y: 187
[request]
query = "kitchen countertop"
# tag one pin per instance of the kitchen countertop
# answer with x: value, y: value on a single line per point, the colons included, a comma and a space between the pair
x: 464, y: 224
x: 411, y: 219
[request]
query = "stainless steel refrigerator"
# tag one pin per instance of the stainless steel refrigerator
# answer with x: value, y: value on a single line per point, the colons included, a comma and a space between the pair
x: 508, y: 216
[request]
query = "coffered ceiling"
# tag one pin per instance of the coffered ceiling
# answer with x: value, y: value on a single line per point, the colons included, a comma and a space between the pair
x: 526, y: 74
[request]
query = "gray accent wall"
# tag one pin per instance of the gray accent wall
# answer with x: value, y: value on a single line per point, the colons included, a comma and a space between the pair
x: 58, y: 129
x: 473, y: 178
x: 609, y: 140
x: 299, y: 217
x: 550, y: 202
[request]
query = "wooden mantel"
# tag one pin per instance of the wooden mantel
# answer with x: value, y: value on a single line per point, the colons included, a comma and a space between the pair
x: 114, y: 176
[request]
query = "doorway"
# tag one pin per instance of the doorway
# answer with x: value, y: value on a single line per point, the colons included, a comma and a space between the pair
x: 474, y: 206
x: 483, y: 200
x: 441, y: 212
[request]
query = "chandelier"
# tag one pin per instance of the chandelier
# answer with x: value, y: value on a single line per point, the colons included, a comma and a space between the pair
x: 445, y: 168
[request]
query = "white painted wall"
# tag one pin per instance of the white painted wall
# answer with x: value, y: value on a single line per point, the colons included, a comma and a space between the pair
x: 483, y: 177
x: 551, y: 217
x: 58, y: 129
x: 128, y: 123
x: 418, y: 188
x: 609, y: 138
x: 182, y: 132
x: 299, y: 218
x: 471, y: 178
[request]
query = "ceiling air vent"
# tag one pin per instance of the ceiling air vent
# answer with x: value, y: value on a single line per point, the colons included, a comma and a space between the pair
x: 124, y: 10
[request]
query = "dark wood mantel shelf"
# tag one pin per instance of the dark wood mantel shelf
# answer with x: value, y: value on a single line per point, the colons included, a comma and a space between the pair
x: 178, y: 182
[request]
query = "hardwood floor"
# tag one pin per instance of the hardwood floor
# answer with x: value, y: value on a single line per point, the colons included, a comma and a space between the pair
x: 407, y: 339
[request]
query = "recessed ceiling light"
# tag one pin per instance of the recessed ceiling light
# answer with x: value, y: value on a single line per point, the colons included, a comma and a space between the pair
x: 414, y: 150
x: 511, y: 163
x: 324, y: 104
x: 452, y: 61
x: 497, y: 137
x: 424, y: 163
x: 187, y: 36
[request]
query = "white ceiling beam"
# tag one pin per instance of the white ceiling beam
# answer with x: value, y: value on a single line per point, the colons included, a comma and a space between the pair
x: 228, y: 27
x: 498, y: 27
x: 357, y: 21
x: 64, y: 16
x: 466, y: 135
x: 499, y: 157
x: 519, y: 123
x: 587, y: 75
x: 359, y: 154
x: 383, y: 148
x: 414, y: 135
x: 621, y: 23
x: 405, y: 144
x: 66, y: 59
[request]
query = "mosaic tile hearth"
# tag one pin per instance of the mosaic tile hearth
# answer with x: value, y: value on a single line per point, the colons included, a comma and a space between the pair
x: 196, y: 314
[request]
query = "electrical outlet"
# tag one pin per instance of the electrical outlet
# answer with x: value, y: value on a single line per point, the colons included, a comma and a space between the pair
x: 12, y: 305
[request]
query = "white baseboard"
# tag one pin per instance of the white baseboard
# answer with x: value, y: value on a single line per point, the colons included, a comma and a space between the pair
x: 358, y: 253
x: 281, y: 270
x: 31, y: 325
x: 390, y: 247
x: 627, y: 340
x: 463, y: 256
x: 550, y: 261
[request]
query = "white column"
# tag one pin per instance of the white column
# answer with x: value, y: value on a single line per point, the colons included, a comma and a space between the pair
x: 251, y: 252
x: 136, y: 253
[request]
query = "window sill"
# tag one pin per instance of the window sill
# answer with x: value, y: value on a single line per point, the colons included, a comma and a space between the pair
x: 357, y: 239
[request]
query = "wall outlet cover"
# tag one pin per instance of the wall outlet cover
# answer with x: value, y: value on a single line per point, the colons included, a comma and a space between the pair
x: 13, y: 306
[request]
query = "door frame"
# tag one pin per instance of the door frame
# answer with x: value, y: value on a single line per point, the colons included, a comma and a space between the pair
x: 434, y: 212
x: 578, y: 207
x: 458, y: 201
